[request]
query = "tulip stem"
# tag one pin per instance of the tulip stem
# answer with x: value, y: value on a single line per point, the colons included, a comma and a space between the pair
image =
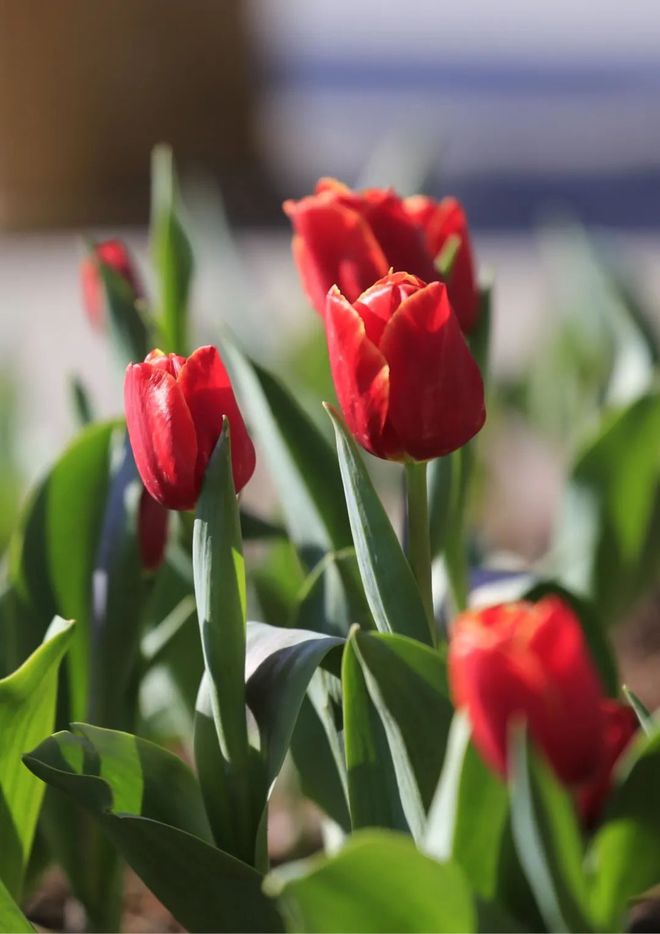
x: 419, y: 542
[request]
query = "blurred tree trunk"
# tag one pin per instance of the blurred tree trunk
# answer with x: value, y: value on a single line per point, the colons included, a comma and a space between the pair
x: 87, y: 87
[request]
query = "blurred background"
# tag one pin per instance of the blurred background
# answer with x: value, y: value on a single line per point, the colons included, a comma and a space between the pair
x: 543, y: 119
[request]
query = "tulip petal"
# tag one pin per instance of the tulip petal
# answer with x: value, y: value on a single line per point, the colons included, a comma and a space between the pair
x: 436, y: 392
x: 400, y: 238
x: 440, y: 221
x: 162, y: 435
x: 207, y: 390
x: 361, y: 377
x: 333, y: 246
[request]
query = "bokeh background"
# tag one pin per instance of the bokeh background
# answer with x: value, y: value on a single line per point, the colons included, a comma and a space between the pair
x: 543, y: 118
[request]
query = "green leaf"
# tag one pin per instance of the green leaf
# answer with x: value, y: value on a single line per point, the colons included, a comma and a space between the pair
x: 27, y: 714
x: 118, y: 598
x: 373, y: 793
x: 547, y: 840
x: 130, y: 337
x: 307, y: 480
x: 11, y: 916
x: 479, y: 340
x: 608, y: 540
x: 54, y: 551
x: 81, y: 402
x: 643, y: 715
x: 625, y: 852
x: 171, y: 252
x: 149, y: 804
x: 406, y: 683
x: 318, y: 750
x: 219, y: 573
x: 280, y: 664
x: 220, y: 593
x: 388, y: 581
x: 468, y: 813
x: 378, y: 882
x: 107, y: 771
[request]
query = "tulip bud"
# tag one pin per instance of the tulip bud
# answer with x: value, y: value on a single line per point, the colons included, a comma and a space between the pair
x: 114, y: 254
x: 405, y: 378
x: 440, y: 221
x: 152, y: 525
x: 529, y: 662
x: 619, y: 725
x: 174, y: 409
x: 350, y: 239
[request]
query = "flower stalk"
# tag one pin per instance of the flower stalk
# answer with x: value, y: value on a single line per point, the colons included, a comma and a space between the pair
x: 419, y: 540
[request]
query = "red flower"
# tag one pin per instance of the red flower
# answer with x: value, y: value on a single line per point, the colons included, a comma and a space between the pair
x: 351, y: 239
x: 152, y: 525
x: 114, y: 254
x: 405, y: 379
x: 174, y: 408
x: 529, y: 661
x: 619, y: 726
x: 440, y: 221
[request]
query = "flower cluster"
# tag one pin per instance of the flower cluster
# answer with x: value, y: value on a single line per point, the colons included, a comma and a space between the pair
x: 397, y: 319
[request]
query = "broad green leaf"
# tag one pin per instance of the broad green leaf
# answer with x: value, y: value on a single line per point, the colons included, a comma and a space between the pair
x: 11, y: 916
x: 220, y: 593
x: 76, y: 493
x: 27, y: 714
x: 279, y: 666
x: 219, y: 573
x: 235, y: 792
x: 468, y: 813
x: 378, y: 882
x: 318, y: 750
x: 110, y: 772
x: 373, y: 793
x: 149, y: 804
x: 625, y: 852
x: 607, y: 542
x: 547, y: 840
x: 129, y: 334
x: 118, y: 597
x: 54, y: 551
x: 388, y: 581
x: 406, y: 683
x: 172, y: 254
x: 307, y: 480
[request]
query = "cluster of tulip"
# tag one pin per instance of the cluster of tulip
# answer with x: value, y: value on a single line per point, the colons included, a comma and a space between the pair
x: 394, y: 282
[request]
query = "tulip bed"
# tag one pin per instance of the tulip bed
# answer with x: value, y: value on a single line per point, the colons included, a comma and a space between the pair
x: 475, y: 762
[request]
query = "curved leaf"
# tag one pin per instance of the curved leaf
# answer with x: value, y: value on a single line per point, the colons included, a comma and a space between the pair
x: 388, y: 581
x: 150, y: 805
x: 27, y: 714
x: 407, y: 686
x: 378, y: 882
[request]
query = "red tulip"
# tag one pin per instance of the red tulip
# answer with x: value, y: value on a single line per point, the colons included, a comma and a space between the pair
x: 618, y: 727
x: 351, y: 239
x: 114, y: 254
x: 405, y: 379
x: 529, y: 661
x: 153, y: 519
x: 440, y: 221
x: 174, y: 408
